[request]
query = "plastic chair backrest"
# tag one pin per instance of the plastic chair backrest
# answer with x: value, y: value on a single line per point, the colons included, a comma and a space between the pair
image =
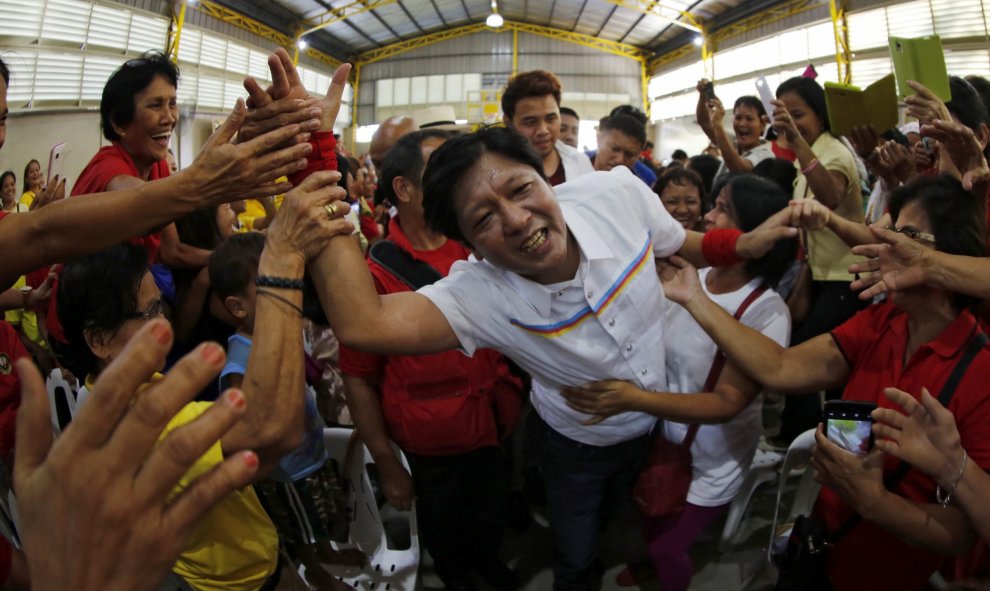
x: 388, y: 568
x: 61, y: 394
x: 798, y: 456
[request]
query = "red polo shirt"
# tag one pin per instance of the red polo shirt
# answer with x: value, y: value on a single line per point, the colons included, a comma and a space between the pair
x: 439, y: 404
x: 874, y: 342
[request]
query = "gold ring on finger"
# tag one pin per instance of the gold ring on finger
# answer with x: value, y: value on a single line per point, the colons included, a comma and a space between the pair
x: 331, y: 209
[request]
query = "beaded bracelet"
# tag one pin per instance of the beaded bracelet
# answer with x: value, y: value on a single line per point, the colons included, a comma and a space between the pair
x: 811, y: 166
x: 279, y: 282
x: 943, y: 498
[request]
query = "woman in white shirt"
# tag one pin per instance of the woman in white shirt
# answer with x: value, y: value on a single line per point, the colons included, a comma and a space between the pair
x: 749, y: 120
x: 730, y: 414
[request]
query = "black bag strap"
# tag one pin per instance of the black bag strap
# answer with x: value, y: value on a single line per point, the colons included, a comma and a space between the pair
x: 719, y: 361
x: 975, y: 345
x: 402, y: 265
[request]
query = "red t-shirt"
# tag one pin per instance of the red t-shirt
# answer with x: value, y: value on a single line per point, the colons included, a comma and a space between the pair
x: 112, y: 161
x: 873, y: 342
x: 11, y: 350
x: 558, y: 177
x: 782, y: 152
x: 436, y: 404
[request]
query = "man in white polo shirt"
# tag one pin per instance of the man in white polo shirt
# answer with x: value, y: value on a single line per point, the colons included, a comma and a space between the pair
x: 564, y: 285
x: 531, y: 106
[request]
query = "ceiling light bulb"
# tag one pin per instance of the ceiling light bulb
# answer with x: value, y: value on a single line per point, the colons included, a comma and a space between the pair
x: 494, y: 20
x: 301, y: 44
x: 699, y: 41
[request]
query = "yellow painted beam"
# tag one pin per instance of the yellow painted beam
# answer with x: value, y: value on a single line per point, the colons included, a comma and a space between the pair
x: 613, y: 47
x: 515, y: 52
x: 231, y: 17
x: 335, y: 15
x: 655, y: 8
x: 354, y: 107
x: 175, y: 31
x: 840, y: 26
x: 644, y: 79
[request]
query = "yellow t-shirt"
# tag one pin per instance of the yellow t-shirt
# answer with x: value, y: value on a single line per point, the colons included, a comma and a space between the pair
x: 26, y: 198
x: 253, y: 209
x: 234, y: 546
x: 26, y: 320
x: 828, y: 255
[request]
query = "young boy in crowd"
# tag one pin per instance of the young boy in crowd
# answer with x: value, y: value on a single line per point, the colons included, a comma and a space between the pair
x: 303, y: 496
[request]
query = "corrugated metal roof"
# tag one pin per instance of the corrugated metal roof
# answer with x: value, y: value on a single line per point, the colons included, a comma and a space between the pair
x: 402, y: 20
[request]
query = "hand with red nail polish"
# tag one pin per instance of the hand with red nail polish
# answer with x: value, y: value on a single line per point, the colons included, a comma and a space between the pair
x: 98, y: 507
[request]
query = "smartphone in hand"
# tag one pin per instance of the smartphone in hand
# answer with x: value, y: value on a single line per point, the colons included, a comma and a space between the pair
x: 848, y: 424
x: 56, y: 158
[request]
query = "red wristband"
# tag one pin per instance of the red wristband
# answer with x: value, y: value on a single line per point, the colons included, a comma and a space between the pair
x: 719, y: 247
x: 322, y: 157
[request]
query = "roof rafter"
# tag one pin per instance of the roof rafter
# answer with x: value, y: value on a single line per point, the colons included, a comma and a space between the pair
x: 335, y: 15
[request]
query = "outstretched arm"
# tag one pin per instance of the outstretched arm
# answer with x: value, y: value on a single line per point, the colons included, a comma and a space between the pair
x: 813, y: 365
x: 80, y: 225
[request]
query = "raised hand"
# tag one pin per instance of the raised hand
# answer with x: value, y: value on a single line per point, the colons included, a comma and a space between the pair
x: 925, y: 435
x: 55, y: 191
x: 965, y: 151
x: 224, y: 171
x: 97, y: 506
x: 310, y: 215
x: 758, y: 241
x: 809, y: 214
x: 783, y: 124
x: 897, y: 263
x: 925, y: 106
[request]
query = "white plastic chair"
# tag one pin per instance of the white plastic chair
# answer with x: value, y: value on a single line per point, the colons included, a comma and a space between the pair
x: 60, y: 389
x: 798, y: 457
x: 388, y: 569
x: 762, y: 469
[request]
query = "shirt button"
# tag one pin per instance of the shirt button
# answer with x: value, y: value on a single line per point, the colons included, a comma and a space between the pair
x: 560, y: 293
x: 643, y: 372
x: 628, y: 347
x: 590, y: 294
x: 611, y: 322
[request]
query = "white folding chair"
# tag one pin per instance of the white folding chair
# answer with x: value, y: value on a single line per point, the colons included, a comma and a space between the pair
x: 762, y: 469
x: 798, y: 457
x: 388, y: 568
x: 59, y: 389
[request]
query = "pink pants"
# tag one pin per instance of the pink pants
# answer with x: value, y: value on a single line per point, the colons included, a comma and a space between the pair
x: 668, y: 540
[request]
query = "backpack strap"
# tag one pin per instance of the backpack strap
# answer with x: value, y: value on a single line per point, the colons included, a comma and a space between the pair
x: 402, y: 265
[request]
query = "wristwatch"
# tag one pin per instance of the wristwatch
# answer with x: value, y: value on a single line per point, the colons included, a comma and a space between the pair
x: 26, y: 295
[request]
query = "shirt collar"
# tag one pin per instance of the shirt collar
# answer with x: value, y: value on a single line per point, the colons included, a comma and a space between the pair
x: 950, y: 342
x: 592, y: 247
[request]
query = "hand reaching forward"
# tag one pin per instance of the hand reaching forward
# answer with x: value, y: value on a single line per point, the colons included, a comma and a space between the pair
x: 94, y: 506
x: 679, y: 279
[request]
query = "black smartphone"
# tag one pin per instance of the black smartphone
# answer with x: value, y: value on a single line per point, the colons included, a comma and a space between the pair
x: 848, y: 424
x: 709, y: 91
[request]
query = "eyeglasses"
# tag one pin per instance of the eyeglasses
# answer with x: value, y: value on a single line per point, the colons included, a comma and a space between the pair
x: 156, y: 309
x: 914, y: 233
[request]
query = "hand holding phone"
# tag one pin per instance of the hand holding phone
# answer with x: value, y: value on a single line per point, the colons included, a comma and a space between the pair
x: 849, y: 425
x: 55, y: 160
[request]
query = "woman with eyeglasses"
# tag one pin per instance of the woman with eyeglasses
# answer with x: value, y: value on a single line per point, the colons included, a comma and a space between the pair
x: 914, y: 340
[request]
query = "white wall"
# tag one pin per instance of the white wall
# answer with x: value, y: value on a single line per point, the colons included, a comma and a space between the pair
x: 32, y: 134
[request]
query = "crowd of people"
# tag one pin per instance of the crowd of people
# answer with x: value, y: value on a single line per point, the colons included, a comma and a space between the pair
x: 465, y: 294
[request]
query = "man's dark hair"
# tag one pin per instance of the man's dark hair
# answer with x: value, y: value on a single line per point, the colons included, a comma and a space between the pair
x: 627, y: 125
x: 5, y: 72
x: 811, y: 93
x: 679, y: 175
x: 707, y: 167
x: 234, y: 264
x: 529, y: 84
x: 781, y: 172
x: 751, y: 102
x: 98, y: 293
x: 405, y: 159
x: 117, y: 105
x: 679, y: 155
x: 968, y: 106
x: 631, y: 111
x: 954, y: 214
x: 454, y: 159
x: 753, y: 200
x: 570, y: 111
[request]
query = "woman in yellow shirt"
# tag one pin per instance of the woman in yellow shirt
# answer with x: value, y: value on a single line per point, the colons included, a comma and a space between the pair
x: 34, y: 182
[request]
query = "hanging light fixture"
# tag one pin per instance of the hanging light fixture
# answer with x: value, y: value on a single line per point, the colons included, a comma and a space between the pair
x: 494, y: 19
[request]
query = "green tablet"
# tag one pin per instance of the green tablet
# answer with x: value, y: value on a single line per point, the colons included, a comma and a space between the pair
x: 849, y: 106
x: 921, y: 60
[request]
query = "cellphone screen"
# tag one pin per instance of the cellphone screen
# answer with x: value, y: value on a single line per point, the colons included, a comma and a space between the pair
x: 850, y: 434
